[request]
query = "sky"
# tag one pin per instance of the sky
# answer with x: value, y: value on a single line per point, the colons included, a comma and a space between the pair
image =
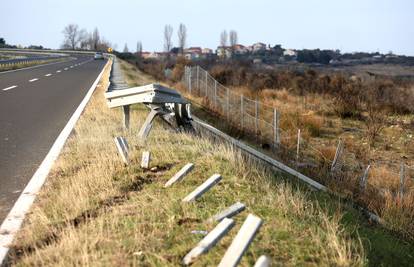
x: 348, y: 25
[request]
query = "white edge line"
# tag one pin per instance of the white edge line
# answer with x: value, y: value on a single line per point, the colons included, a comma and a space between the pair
x: 11, y: 87
x: 11, y: 225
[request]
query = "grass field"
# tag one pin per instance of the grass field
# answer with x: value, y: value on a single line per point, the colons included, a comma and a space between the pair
x: 95, y: 211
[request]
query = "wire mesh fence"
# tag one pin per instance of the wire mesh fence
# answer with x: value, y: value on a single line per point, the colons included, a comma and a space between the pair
x: 343, y: 172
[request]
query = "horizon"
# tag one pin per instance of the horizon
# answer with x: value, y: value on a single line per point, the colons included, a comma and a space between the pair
x: 375, y: 26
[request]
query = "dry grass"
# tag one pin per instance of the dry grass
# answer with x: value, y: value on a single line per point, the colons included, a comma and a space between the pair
x: 94, y: 211
x: 27, y: 64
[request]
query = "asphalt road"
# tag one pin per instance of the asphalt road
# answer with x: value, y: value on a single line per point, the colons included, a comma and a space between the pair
x: 35, y: 105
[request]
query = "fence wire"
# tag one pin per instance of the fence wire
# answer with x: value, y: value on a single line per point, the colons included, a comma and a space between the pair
x: 256, y: 119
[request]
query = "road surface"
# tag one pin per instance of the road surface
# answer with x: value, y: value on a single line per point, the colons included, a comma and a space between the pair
x: 35, y: 105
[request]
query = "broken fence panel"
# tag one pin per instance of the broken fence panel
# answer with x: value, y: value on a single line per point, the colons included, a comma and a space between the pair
x: 180, y: 174
x: 228, y: 212
x: 241, y: 242
x: 204, y: 187
x: 209, y: 240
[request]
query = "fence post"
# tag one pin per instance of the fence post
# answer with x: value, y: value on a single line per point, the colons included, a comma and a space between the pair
x: 298, y: 147
x: 241, y: 112
x: 364, y: 179
x: 228, y: 103
x: 215, y: 94
x: 198, y: 80
x: 206, y: 83
x: 338, y: 154
x: 256, y: 115
x: 276, y: 133
x: 189, y: 80
x: 402, y: 178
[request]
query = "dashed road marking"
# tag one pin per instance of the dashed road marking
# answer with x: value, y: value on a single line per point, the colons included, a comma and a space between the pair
x: 58, y: 71
x: 65, y: 69
x: 9, y: 88
x: 33, y: 80
x: 49, y: 74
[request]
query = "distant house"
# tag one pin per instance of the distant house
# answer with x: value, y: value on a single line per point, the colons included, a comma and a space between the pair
x: 223, y: 51
x: 257, y: 47
x: 207, y: 51
x: 240, y: 49
x: 145, y: 55
x: 196, y: 50
x: 290, y: 52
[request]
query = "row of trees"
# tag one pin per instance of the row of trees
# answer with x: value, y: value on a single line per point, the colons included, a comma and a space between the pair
x: 77, y: 38
x: 181, y: 34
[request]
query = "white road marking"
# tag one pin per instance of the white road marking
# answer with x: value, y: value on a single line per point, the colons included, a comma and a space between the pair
x: 9, y: 88
x: 58, y: 71
x: 65, y: 69
x: 12, y: 223
x: 33, y: 80
x: 49, y: 74
x: 71, y: 66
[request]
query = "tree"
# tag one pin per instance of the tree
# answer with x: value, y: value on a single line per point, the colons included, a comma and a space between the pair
x: 168, y: 31
x: 233, y: 38
x: 182, y: 37
x: 126, y: 50
x: 223, y: 38
x: 139, y: 49
x: 71, y: 35
x: 95, y: 40
x: 2, y: 42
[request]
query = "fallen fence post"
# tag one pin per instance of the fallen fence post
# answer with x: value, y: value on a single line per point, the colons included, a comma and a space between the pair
x: 180, y: 174
x: 402, y: 179
x: 204, y: 187
x: 209, y: 240
x: 126, y: 112
x: 262, y: 261
x: 241, y: 242
x: 364, y: 179
x: 146, y: 158
x: 122, y: 149
x: 228, y: 212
